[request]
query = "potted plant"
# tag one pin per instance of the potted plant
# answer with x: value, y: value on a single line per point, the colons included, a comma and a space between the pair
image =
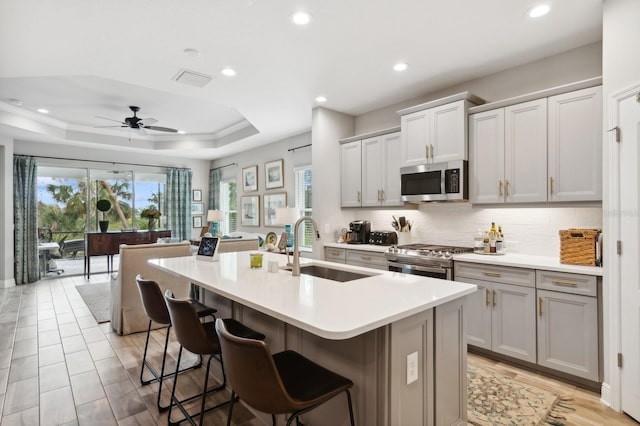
x: 103, y: 206
x: 152, y: 214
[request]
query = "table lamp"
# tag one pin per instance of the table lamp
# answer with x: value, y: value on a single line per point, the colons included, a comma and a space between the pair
x: 287, y: 216
x: 214, y: 217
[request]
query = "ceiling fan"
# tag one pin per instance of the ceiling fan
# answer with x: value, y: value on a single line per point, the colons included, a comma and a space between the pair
x: 137, y: 123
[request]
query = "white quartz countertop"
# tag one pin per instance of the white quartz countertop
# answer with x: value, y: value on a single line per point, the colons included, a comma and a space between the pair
x: 547, y: 263
x: 363, y: 247
x: 329, y: 309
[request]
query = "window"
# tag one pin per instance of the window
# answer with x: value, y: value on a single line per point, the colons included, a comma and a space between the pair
x: 150, y: 190
x: 302, y: 192
x: 229, y: 205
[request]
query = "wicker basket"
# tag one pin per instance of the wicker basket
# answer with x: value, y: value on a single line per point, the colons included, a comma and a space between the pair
x: 578, y: 246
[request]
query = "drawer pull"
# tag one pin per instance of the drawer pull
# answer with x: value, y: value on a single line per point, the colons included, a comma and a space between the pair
x: 500, y: 187
x: 565, y: 283
x: 494, y: 298
x: 486, y: 296
x: 540, y: 306
x: 366, y: 257
x: 492, y: 274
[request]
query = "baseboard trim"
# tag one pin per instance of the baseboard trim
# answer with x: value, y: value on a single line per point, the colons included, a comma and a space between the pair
x: 11, y: 282
x: 605, y: 394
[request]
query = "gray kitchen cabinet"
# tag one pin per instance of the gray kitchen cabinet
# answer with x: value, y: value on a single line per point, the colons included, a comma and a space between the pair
x: 436, y: 131
x: 568, y: 333
x: 367, y: 259
x: 370, y: 170
x: 547, y: 147
x: 337, y: 255
x: 501, y: 314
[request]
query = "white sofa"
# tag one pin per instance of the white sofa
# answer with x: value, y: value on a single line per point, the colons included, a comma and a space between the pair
x: 127, y: 313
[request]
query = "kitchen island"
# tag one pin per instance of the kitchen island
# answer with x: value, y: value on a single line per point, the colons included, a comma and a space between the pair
x: 386, y: 331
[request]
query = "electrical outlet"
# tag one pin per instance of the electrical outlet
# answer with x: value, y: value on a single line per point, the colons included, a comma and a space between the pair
x: 412, y: 367
x: 326, y: 228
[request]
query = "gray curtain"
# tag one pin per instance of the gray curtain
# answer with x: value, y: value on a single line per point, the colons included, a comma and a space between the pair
x: 215, y: 176
x: 25, y: 218
x: 179, y: 202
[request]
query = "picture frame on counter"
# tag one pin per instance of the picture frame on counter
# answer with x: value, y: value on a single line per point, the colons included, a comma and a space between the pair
x: 197, y: 195
x: 270, y: 203
x: 250, y: 179
x: 250, y: 210
x: 197, y: 221
x: 273, y: 174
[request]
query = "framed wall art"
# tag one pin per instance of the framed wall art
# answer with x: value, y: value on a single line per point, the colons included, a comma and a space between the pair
x: 273, y: 174
x: 250, y: 179
x: 197, y: 208
x: 250, y: 210
x: 270, y: 203
x: 197, y: 195
x: 197, y: 221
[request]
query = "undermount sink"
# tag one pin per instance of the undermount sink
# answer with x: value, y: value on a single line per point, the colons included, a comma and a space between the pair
x: 332, y: 274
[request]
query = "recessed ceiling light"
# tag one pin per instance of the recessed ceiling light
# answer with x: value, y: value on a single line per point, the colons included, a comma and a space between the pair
x: 229, y: 72
x: 321, y: 99
x: 539, y: 11
x: 182, y: 132
x: 400, y: 66
x: 194, y: 53
x: 301, y: 18
x: 43, y: 111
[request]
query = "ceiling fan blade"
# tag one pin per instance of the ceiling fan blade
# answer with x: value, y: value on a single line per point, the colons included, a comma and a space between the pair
x: 146, y: 121
x: 161, y: 129
x: 110, y: 119
x: 141, y: 131
x: 104, y: 127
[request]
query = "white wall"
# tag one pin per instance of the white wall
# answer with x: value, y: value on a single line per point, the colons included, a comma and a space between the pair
x: 6, y: 213
x: 621, y: 69
x: 574, y: 65
x: 259, y: 156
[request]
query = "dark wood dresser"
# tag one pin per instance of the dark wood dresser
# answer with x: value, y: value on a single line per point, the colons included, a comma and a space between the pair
x: 108, y: 244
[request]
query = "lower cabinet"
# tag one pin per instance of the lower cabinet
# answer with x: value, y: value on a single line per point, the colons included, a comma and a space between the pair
x: 543, y: 317
x: 501, y: 318
x: 568, y: 333
x: 368, y: 259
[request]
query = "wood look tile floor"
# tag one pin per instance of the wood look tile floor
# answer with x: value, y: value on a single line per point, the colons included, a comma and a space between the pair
x: 59, y: 367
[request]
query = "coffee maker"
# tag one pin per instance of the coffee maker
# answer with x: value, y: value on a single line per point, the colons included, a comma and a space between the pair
x: 360, y: 230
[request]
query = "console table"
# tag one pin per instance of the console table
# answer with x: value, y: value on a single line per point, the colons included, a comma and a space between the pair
x: 108, y: 244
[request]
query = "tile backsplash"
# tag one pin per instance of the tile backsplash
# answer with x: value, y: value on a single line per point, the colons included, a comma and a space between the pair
x: 527, y: 230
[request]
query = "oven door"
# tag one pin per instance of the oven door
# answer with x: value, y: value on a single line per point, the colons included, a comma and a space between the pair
x: 425, y: 271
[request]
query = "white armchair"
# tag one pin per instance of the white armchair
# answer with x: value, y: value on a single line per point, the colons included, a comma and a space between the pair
x: 127, y: 313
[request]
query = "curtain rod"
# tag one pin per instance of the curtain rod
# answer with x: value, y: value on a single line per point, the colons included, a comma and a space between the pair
x: 298, y: 147
x: 226, y: 165
x: 105, y: 162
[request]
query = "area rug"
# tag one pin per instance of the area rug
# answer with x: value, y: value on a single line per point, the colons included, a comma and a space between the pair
x: 98, y: 299
x: 494, y: 399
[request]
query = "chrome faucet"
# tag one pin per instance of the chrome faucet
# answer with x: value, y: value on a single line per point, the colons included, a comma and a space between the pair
x: 295, y: 268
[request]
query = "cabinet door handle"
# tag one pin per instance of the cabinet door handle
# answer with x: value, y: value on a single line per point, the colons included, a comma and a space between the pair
x: 491, y: 274
x: 486, y: 296
x: 431, y: 151
x: 506, y: 187
x: 565, y: 283
x: 358, y: 196
x: 540, y: 306
x: 550, y: 185
x: 378, y: 195
x: 500, y: 187
x: 494, y: 298
x: 426, y: 151
x: 382, y: 195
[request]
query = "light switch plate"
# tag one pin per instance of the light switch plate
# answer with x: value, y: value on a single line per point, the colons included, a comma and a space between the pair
x: 412, y: 367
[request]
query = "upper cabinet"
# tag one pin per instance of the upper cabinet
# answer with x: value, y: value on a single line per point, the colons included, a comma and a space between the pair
x: 575, y: 145
x: 546, y: 149
x: 371, y: 170
x: 436, y: 131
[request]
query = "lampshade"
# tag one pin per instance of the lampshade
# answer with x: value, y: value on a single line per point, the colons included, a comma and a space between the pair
x: 215, y: 215
x: 287, y: 215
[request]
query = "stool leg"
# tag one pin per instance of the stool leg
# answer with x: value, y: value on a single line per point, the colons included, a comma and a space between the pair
x: 144, y: 357
x: 350, y: 407
x: 164, y: 360
x: 230, y: 414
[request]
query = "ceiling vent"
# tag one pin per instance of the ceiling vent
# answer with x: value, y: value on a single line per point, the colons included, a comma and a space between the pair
x: 192, y: 78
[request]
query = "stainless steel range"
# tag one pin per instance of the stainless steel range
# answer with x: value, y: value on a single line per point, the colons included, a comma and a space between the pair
x: 424, y: 259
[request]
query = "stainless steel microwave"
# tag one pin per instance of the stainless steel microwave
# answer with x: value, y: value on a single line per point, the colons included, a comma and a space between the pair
x: 435, y: 182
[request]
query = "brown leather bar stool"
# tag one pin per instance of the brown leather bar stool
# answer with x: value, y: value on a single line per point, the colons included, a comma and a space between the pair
x: 156, y: 310
x: 201, y: 339
x: 282, y: 383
